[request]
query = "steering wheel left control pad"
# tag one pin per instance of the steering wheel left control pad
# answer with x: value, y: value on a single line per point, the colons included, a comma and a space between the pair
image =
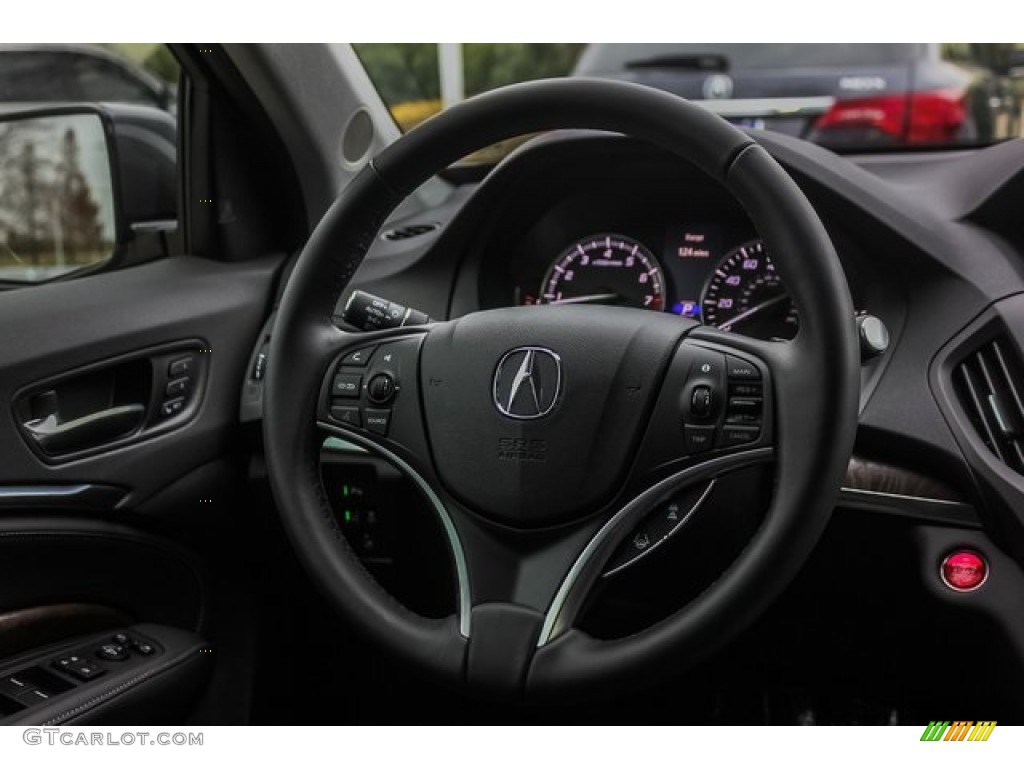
x: 365, y: 387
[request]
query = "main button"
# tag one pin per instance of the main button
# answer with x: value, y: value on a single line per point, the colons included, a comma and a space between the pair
x: 740, y: 369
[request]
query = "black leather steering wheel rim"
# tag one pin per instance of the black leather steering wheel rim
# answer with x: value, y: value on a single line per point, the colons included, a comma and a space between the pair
x: 816, y: 406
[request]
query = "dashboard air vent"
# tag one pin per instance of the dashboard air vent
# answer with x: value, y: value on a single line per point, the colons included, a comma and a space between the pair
x: 408, y: 231
x: 990, y: 383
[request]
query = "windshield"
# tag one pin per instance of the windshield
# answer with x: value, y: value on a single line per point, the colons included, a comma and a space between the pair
x: 848, y: 97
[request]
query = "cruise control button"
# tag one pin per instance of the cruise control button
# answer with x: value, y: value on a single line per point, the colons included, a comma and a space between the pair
x: 746, y: 404
x: 743, y: 410
x: 378, y: 420
x: 738, y: 435
x: 745, y: 390
x: 359, y: 358
x: 740, y: 369
x: 698, y: 439
x: 347, y: 414
x: 347, y: 385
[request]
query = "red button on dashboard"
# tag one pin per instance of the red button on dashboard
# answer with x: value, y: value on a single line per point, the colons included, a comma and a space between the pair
x: 964, y: 570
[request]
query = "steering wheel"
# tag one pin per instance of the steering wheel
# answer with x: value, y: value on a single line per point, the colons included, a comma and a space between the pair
x: 543, y: 436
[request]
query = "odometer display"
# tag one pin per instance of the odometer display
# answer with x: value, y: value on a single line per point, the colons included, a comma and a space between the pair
x: 745, y: 294
x: 605, y: 269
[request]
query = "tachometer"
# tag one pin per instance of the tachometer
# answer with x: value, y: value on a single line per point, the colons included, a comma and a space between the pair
x: 605, y: 269
x: 745, y: 294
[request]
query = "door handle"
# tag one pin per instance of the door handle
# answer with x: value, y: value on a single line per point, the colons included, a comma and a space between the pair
x: 54, y: 436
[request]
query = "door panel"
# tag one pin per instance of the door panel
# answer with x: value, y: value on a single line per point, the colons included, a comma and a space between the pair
x: 50, y: 330
x: 105, y: 515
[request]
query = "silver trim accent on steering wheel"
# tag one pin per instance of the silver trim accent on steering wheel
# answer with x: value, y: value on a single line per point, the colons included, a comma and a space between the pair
x: 454, y: 543
x: 590, y: 561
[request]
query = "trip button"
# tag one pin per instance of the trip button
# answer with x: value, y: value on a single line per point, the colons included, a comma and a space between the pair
x: 698, y: 439
x: 347, y: 385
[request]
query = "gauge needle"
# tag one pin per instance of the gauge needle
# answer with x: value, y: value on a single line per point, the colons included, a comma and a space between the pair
x: 727, y: 325
x: 591, y: 298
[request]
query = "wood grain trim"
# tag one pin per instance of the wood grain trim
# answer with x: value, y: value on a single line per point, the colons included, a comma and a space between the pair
x: 28, y: 628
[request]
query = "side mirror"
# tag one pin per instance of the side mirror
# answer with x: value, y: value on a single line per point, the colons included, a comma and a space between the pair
x: 83, y: 187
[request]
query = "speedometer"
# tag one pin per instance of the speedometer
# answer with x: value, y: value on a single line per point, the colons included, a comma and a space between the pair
x: 605, y: 269
x: 745, y: 294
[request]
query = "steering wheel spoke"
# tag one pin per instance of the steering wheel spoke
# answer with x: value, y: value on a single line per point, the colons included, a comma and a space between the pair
x: 716, y: 399
x: 370, y: 387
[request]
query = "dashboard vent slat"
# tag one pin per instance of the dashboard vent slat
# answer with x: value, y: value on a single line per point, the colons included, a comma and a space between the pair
x: 989, y: 383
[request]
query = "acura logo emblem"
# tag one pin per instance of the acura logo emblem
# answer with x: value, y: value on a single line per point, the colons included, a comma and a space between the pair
x: 718, y: 86
x: 527, y: 382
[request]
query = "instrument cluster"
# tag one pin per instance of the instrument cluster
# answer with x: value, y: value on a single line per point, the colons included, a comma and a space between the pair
x: 718, y: 273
